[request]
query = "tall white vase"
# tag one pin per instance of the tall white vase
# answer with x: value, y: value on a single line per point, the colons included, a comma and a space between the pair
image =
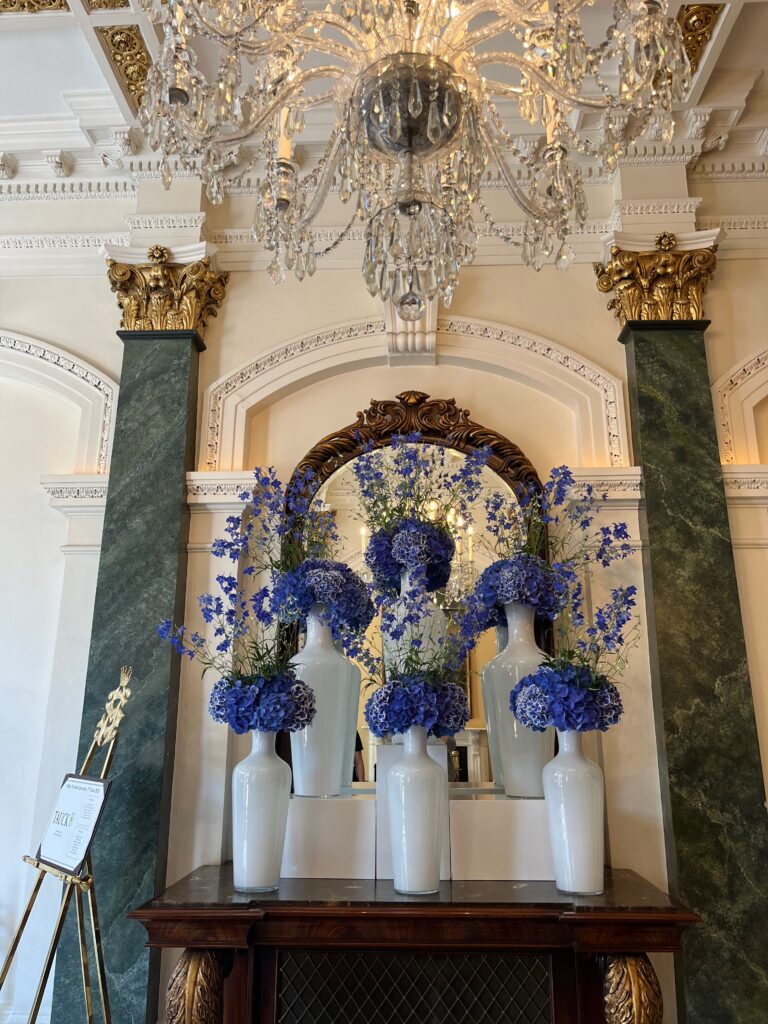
x: 575, y: 800
x: 523, y: 751
x: 429, y: 630
x: 317, y: 752
x: 261, y: 790
x: 489, y: 707
x: 350, y: 735
x: 417, y: 788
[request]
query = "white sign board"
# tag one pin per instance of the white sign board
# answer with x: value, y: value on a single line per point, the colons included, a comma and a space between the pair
x: 73, y: 823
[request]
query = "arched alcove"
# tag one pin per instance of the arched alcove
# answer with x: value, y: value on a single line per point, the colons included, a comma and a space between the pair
x: 538, y: 369
x: 738, y: 396
x: 42, y: 365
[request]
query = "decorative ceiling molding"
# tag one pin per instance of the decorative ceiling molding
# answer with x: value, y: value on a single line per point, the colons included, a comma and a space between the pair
x: 72, y: 188
x: 107, y: 5
x: 698, y: 23
x: 729, y: 170
x: 94, y: 392
x: 127, y: 52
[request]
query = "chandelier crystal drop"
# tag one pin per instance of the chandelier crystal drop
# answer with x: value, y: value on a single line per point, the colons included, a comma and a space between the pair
x: 413, y: 100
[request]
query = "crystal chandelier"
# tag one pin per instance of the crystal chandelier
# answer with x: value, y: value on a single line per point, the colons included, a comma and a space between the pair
x: 419, y: 94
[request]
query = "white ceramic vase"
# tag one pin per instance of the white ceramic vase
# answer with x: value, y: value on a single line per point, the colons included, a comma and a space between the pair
x: 489, y: 706
x: 261, y: 790
x: 429, y: 630
x: 417, y: 788
x: 317, y: 752
x: 523, y: 752
x: 350, y: 735
x: 575, y: 801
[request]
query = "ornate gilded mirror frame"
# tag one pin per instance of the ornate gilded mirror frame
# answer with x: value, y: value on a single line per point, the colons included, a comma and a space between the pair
x: 437, y: 420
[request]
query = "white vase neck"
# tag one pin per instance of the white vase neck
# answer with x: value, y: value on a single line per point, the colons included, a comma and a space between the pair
x: 502, y: 637
x: 415, y: 740
x: 262, y: 742
x: 520, y: 623
x: 569, y: 742
x: 318, y: 632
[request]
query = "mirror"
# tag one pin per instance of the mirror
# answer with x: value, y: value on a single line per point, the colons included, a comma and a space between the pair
x: 442, y: 422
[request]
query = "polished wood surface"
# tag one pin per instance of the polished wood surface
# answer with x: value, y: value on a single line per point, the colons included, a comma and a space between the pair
x: 596, y: 944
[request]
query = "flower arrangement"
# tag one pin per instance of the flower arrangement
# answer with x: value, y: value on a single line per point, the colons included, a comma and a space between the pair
x: 409, y: 701
x: 522, y: 579
x: 412, y: 496
x: 280, y: 542
x: 571, y: 689
x: 411, y: 546
x: 344, y: 600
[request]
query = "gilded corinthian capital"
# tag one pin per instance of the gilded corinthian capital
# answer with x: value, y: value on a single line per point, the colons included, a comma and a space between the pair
x: 660, y: 285
x: 164, y: 296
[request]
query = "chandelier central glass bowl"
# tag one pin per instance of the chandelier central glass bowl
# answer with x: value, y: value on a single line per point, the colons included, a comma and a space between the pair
x: 421, y: 93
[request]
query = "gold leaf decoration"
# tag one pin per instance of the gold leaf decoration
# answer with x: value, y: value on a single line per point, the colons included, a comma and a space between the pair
x: 660, y: 285
x: 195, y: 991
x: 164, y: 296
x: 32, y: 6
x: 125, y: 48
x: 697, y: 22
x: 107, y: 5
x: 631, y: 991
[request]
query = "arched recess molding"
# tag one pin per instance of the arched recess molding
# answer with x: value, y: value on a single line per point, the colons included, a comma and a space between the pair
x: 736, y: 396
x: 594, y: 396
x: 42, y: 365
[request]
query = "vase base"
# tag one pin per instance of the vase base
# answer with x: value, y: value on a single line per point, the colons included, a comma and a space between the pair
x: 580, y: 892
x: 259, y: 888
x: 417, y: 892
x: 317, y: 796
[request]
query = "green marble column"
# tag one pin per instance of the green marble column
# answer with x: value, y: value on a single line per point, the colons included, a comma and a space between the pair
x: 141, y: 580
x: 717, y: 834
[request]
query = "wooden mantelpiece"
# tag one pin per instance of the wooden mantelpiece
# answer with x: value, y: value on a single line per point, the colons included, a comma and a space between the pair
x: 314, y: 951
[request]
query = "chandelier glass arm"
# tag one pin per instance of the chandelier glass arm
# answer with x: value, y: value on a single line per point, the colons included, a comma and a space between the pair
x: 323, y: 185
x: 522, y: 200
x: 548, y: 85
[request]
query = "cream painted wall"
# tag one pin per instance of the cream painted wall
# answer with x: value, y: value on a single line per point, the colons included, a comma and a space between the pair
x: 38, y: 435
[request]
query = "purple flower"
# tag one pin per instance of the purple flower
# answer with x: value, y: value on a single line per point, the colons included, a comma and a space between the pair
x: 566, y: 696
x: 410, y: 544
x: 411, y: 701
x: 347, y: 606
x: 277, y: 703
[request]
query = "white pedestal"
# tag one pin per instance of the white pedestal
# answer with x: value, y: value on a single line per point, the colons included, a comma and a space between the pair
x: 386, y: 755
x: 500, y: 838
x: 330, y: 838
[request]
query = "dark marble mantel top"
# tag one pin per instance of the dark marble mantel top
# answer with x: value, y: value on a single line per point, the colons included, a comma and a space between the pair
x: 210, y: 889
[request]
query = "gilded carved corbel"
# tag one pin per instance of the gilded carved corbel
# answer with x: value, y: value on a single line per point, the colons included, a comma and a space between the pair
x: 165, y: 296
x: 631, y: 991
x: 196, y: 989
x: 660, y: 285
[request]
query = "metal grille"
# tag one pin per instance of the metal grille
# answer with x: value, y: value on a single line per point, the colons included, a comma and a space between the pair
x: 400, y: 988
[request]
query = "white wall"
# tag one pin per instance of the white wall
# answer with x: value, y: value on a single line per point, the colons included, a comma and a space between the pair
x: 39, y: 435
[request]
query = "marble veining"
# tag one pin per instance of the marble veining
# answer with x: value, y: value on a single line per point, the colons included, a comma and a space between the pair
x: 717, y: 830
x: 141, y: 581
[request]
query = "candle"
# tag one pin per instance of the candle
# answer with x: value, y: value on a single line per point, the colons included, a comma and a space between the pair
x: 363, y: 532
x: 283, y: 142
x: 470, y: 532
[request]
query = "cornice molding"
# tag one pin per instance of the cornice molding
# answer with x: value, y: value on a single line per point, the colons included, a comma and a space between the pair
x: 729, y: 170
x: 165, y: 221
x: 74, y: 240
x: 657, y: 207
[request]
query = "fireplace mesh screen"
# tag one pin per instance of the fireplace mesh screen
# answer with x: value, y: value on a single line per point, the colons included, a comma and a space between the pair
x: 401, y: 988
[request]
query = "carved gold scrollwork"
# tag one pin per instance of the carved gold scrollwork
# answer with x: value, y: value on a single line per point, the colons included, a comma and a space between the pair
x: 436, y: 420
x: 32, y: 6
x: 163, y: 296
x: 124, y: 45
x: 631, y: 991
x: 697, y: 22
x: 660, y: 285
x: 196, y: 989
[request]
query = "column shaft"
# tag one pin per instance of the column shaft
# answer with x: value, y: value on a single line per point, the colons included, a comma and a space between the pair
x: 717, y: 837
x: 141, y: 581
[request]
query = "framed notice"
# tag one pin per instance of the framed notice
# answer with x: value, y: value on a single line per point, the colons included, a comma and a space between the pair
x: 73, y: 822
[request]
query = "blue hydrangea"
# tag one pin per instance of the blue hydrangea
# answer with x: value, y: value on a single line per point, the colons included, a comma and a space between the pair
x: 347, y: 605
x: 566, y: 696
x: 410, y: 701
x: 410, y: 544
x: 278, y: 703
x: 522, y: 579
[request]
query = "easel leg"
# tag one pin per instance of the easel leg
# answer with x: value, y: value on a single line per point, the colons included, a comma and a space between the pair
x: 20, y: 929
x: 101, y: 972
x: 68, y: 889
x: 84, y: 957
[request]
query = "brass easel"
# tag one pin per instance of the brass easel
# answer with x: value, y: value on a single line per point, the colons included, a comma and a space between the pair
x: 105, y: 735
